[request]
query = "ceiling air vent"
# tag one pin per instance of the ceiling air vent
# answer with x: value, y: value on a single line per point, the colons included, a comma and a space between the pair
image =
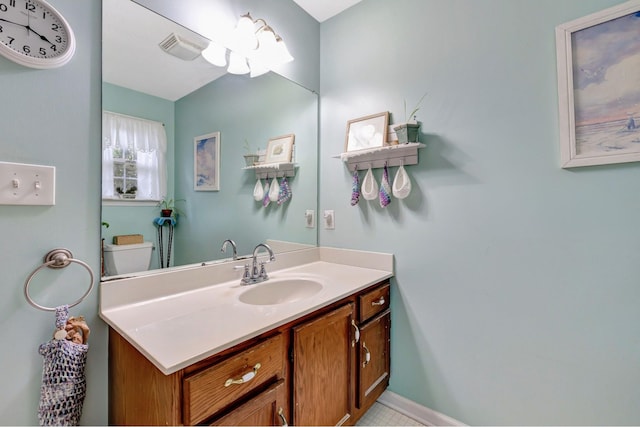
x: 181, y: 48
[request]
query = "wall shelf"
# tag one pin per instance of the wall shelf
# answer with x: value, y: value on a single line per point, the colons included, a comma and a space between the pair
x: 393, y: 155
x: 270, y: 170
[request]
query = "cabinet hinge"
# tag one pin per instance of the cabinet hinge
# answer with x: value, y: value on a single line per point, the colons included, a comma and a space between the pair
x: 291, y: 354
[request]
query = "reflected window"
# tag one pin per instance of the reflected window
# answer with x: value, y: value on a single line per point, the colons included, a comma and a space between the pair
x: 133, y: 158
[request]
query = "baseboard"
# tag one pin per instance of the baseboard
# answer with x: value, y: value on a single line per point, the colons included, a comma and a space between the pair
x: 418, y: 412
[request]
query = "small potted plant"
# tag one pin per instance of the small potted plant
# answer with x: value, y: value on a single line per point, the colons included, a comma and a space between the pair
x: 130, y: 193
x: 168, y: 208
x: 250, y: 158
x: 408, y: 131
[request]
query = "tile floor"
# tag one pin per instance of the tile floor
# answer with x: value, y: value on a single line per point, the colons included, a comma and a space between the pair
x: 381, y: 415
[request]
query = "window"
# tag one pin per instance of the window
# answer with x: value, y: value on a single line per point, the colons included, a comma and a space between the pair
x: 133, y: 158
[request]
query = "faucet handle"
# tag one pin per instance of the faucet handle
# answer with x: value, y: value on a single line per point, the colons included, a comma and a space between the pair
x: 263, y: 270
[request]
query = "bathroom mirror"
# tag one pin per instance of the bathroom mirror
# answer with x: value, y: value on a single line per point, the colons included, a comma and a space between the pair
x: 247, y: 112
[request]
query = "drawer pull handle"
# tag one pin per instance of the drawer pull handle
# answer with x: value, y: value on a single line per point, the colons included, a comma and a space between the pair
x: 380, y: 301
x: 357, y: 337
x: 367, y: 356
x: 283, y: 420
x: 245, y: 378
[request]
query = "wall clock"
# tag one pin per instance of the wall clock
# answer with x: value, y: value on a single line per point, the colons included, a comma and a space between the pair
x: 34, y: 34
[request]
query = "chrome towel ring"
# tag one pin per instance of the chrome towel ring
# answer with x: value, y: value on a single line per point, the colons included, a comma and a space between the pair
x: 58, y: 258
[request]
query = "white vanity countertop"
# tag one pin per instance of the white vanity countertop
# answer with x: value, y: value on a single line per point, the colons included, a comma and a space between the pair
x: 185, y: 319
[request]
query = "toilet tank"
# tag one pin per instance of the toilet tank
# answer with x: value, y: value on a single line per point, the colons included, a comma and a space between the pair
x: 123, y: 259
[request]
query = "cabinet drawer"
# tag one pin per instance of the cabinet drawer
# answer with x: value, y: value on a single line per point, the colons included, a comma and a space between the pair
x: 210, y: 390
x: 373, y: 302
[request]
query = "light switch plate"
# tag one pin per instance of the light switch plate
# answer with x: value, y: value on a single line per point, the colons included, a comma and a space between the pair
x: 24, y: 184
x: 310, y: 218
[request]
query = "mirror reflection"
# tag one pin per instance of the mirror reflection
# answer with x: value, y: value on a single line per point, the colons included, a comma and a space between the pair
x: 191, y: 98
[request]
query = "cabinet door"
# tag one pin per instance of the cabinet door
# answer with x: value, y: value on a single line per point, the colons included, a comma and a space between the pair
x: 322, y: 369
x: 373, y: 359
x: 266, y: 409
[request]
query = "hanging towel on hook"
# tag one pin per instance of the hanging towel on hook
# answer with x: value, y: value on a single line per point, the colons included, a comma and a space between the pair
x: 258, y: 192
x: 385, y: 188
x: 63, y: 381
x: 355, y: 187
x: 274, y: 190
x: 401, y: 184
x: 285, y: 191
x: 369, y: 186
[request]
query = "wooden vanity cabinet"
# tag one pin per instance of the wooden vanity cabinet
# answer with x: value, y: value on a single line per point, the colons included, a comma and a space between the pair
x: 373, y: 363
x: 322, y: 364
x: 312, y: 371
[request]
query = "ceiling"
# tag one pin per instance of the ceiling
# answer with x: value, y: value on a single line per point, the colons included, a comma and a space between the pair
x: 322, y: 10
x: 132, y: 59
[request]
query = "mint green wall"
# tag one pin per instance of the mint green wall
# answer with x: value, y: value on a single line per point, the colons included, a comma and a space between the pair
x: 516, y: 293
x: 241, y: 108
x: 138, y: 219
x: 52, y: 117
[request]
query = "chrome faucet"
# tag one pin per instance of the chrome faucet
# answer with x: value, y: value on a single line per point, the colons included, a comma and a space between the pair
x: 233, y: 245
x: 258, y: 272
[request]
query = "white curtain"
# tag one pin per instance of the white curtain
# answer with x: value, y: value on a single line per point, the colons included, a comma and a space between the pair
x: 149, y: 141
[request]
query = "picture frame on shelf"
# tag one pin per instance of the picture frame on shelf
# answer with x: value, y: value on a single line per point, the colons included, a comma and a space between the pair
x: 206, y: 162
x: 280, y: 149
x: 598, y: 95
x: 367, y: 132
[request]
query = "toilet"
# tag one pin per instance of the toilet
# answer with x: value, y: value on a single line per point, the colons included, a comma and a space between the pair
x: 123, y: 259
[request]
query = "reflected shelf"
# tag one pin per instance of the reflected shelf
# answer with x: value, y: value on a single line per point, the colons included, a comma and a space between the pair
x: 270, y: 170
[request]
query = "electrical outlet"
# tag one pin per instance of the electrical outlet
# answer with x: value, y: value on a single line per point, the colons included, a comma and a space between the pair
x: 310, y: 218
x: 329, y: 220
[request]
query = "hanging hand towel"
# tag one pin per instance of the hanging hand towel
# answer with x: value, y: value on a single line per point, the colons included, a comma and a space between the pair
x: 274, y: 190
x: 285, y: 191
x: 258, y: 192
x: 385, y: 188
x: 355, y: 188
x: 265, y: 199
x: 369, y: 186
x: 63, y: 381
x: 401, y: 184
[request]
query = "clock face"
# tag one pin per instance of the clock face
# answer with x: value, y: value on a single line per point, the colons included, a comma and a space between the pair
x: 34, y: 34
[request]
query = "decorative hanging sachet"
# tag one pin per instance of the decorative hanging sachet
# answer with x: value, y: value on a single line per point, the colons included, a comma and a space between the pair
x: 369, y: 187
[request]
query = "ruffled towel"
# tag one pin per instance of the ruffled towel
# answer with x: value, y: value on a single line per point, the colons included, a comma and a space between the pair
x: 355, y: 188
x: 385, y: 188
x: 285, y: 191
x: 265, y: 198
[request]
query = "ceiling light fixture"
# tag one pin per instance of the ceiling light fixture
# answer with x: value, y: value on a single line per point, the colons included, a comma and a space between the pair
x: 254, y: 47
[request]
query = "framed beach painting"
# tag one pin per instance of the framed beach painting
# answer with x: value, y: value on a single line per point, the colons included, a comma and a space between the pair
x: 206, y: 162
x: 367, y: 132
x: 599, y: 87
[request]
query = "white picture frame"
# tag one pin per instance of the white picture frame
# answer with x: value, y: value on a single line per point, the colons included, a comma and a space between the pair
x: 206, y: 162
x: 367, y: 132
x: 597, y: 102
x: 280, y: 149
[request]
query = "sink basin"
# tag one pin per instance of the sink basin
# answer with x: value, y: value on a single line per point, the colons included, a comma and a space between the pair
x: 280, y: 291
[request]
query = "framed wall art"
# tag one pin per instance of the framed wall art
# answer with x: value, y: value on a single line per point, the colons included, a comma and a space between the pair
x: 598, y: 60
x: 206, y: 162
x: 280, y: 149
x: 367, y: 132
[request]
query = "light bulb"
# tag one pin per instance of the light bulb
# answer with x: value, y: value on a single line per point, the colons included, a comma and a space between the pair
x: 257, y: 68
x: 237, y: 64
x: 215, y: 54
